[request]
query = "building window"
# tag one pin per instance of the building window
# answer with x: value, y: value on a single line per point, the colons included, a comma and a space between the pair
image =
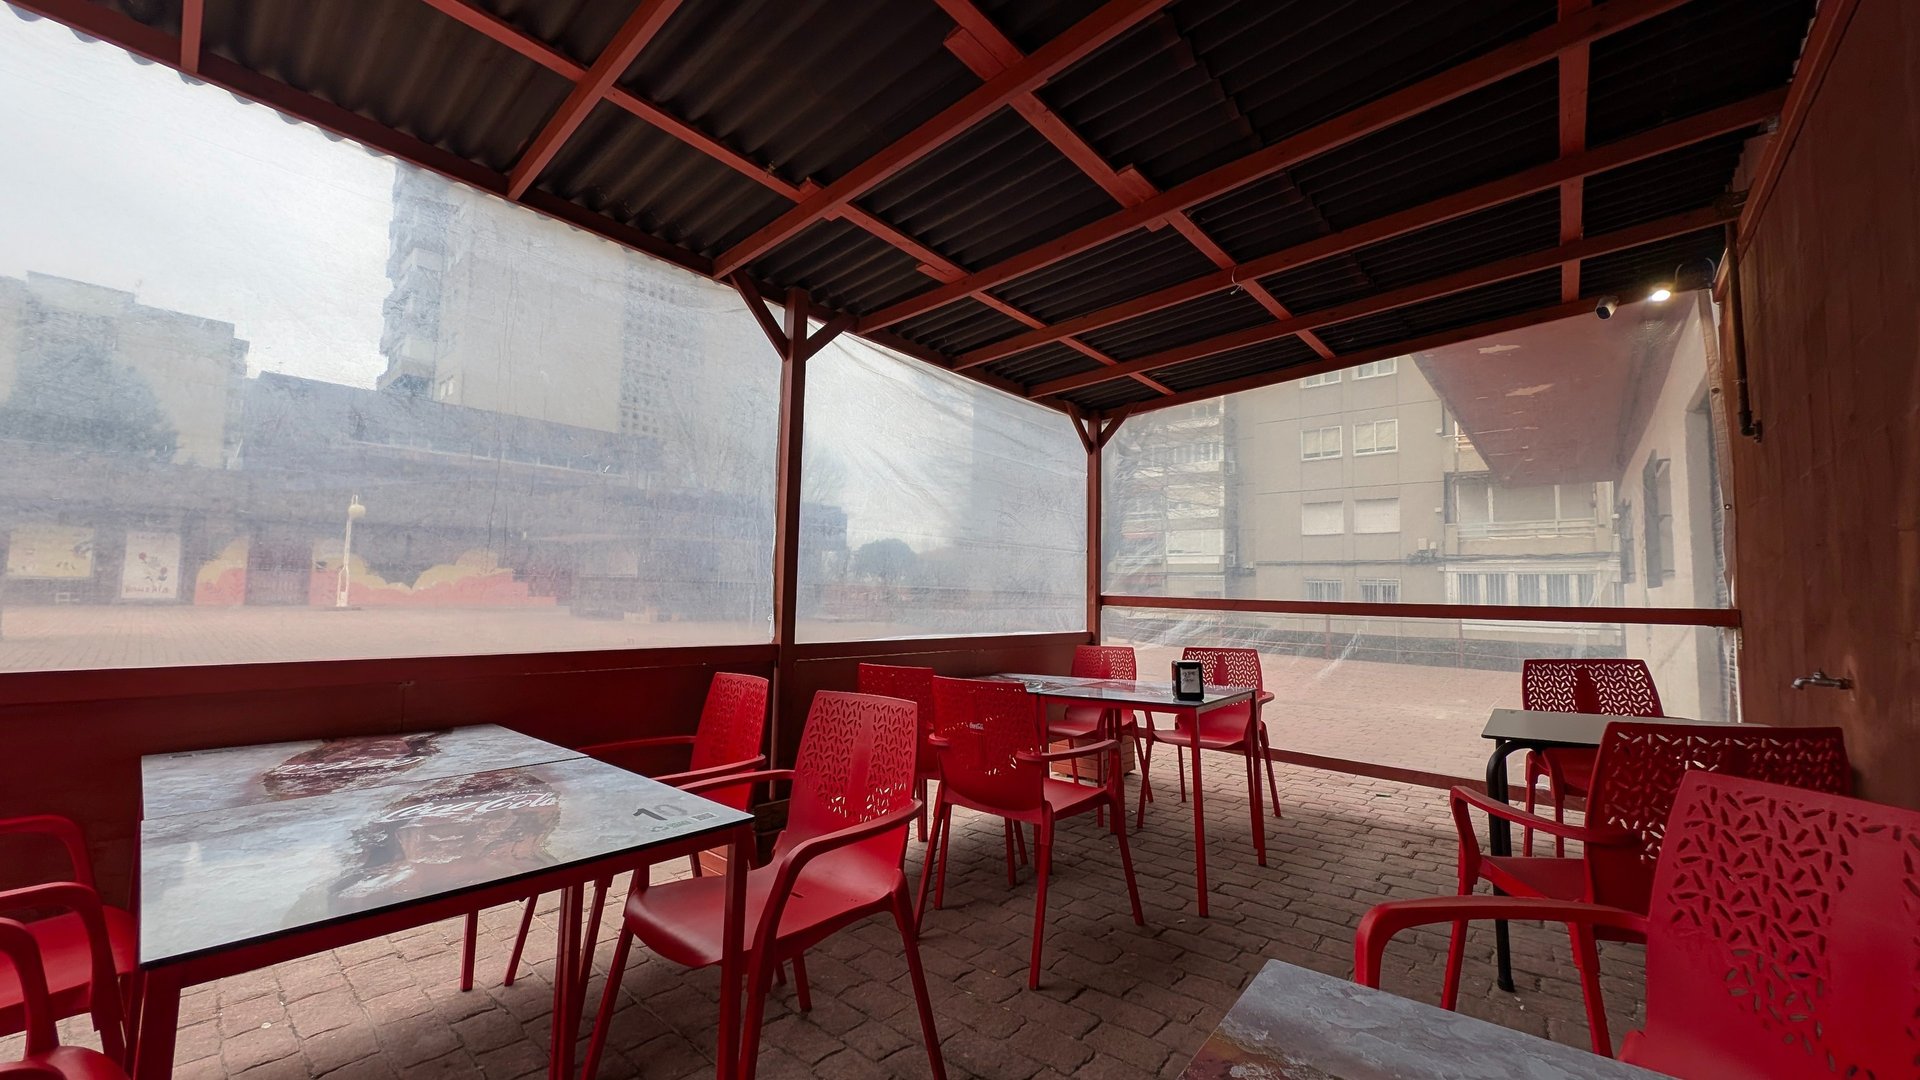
x: 1379, y: 590
x: 1376, y: 437
x: 1481, y: 588
x: 1325, y: 378
x: 1323, y: 518
x: 1376, y: 515
x: 1323, y: 589
x: 1556, y: 590
x: 446, y: 388
x: 1656, y: 481
x: 1377, y: 368
x: 1318, y: 443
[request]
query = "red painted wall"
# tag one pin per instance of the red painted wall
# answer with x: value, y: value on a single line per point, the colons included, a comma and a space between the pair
x: 1827, y: 550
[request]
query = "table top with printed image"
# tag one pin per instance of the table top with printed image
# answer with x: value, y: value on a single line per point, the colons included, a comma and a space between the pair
x: 1142, y: 693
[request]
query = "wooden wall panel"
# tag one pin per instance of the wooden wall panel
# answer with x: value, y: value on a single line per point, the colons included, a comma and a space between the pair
x: 1827, y: 556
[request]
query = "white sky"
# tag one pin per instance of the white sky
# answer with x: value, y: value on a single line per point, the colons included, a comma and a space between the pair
x: 132, y: 178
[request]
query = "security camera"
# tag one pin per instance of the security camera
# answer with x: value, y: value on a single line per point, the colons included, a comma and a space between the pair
x: 1605, y: 308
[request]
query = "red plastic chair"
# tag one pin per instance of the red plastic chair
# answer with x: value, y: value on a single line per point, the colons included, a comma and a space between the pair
x: 913, y: 684
x: 1235, y: 729
x: 45, y: 1058
x: 837, y: 862
x: 1781, y: 935
x: 83, y: 948
x: 1090, y: 721
x: 991, y: 760
x: 728, y: 740
x: 1604, y: 687
x: 1637, y: 774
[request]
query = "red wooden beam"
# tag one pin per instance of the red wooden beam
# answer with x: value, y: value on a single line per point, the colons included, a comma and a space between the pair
x: 193, y: 18
x: 1534, y: 49
x: 1613, y: 155
x: 1551, y: 313
x: 1573, y: 139
x: 1518, y: 266
x: 1647, y: 616
x: 1830, y: 23
x: 1108, y: 22
x: 633, y: 35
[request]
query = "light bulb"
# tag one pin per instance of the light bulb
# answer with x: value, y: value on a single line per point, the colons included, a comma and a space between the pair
x: 1660, y: 294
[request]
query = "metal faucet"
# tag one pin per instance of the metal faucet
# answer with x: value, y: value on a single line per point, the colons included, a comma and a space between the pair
x: 1821, y: 678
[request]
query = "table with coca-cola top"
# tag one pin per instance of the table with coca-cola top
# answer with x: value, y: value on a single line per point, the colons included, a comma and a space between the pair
x: 253, y: 855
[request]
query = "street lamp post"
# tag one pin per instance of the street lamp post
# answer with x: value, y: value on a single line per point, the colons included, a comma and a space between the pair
x: 355, y: 511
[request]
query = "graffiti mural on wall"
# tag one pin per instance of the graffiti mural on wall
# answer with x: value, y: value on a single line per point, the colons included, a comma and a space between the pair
x: 475, y: 579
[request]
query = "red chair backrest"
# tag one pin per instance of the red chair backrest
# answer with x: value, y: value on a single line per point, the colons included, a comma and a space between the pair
x: 913, y: 684
x: 1227, y: 667
x: 855, y: 764
x: 1640, y: 768
x: 986, y: 724
x: 1784, y: 939
x: 1603, y: 687
x: 1104, y: 662
x: 731, y: 722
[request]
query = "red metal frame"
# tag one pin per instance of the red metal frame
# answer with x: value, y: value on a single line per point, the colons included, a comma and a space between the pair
x: 1654, y: 616
x: 1106, y: 23
x: 1536, y: 48
x: 1517, y: 266
x: 193, y: 15
x: 613, y: 61
x: 1648, y: 144
x: 1574, y: 64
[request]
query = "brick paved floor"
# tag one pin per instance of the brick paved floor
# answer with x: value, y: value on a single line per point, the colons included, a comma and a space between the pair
x: 1116, y: 1000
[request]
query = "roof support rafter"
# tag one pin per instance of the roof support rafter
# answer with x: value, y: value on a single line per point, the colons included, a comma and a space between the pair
x: 1534, y: 49
x: 1573, y: 139
x: 1503, y: 270
x: 634, y: 34
x: 981, y: 46
x: 193, y: 20
x: 1109, y: 21
x: 1552, y: 313
x: 1681, y: 133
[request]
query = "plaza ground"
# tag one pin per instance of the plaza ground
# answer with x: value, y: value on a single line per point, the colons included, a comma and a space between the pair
x: 1408, y: 716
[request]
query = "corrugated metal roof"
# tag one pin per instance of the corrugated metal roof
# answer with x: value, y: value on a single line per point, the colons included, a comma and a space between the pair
x: 806, y: 90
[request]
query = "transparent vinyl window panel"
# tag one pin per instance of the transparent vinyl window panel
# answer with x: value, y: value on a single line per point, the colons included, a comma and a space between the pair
x: 932, y: 505
x: 1569, y: 464
x: 266, y: 395
x: 1415, y: 693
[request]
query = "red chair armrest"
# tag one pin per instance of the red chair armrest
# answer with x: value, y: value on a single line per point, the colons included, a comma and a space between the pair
x: 61, y: 829
x: 694, y: 776
x: 1466, y: 796
x: 84, y: 902
x: 736, y: 779
x: 1039, y: 757
x: 1378, y: 926
x: 17, y: 944
x: 787, y: 870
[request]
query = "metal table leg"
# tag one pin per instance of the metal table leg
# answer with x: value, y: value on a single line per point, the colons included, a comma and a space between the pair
x: 1500, y: 839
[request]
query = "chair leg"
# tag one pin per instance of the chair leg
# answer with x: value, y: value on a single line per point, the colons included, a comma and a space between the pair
x: 945, y: 825
x: 1043, y: 862
x: 759, y: 983
x: 1559, y: 815
x: 909, y: 943
x: 608, y: 997
x: 920, y: 819
x: 934, y: 850
x: 1146, y: 784
x: 1533, y: 781
x: 802, y: 997
x: 1254, y: 799
x: 1586, y: 958
x: 520, y: 941
x: 1020, y: 843
x: 469, y: 941
x: 1007, y: 834
x: 1126, y: 867
x: 1140, y: 758
x: 1266, y: 754
x: 1456, y: 950
x: 588, y: 943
